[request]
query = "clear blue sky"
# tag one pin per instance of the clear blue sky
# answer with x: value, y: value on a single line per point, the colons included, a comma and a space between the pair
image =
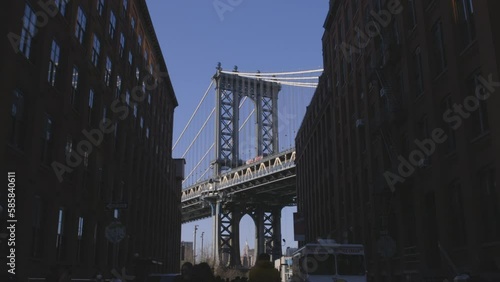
x: 276, y: 35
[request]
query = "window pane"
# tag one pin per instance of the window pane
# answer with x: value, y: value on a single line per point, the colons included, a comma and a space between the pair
x: 28, y: 31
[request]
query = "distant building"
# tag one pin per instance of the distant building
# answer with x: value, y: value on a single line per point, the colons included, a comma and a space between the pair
x: 247, y: 260
x: 391, y: 84
x: 86, y: 124
x: 187, y: 252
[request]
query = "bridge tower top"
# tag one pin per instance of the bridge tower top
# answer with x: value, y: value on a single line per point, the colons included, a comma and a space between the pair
x: 231, y: 87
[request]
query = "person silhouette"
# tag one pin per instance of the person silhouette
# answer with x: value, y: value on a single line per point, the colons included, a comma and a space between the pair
x: 263, y: 271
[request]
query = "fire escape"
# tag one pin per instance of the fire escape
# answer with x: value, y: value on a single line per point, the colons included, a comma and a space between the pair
x: 390, y: 116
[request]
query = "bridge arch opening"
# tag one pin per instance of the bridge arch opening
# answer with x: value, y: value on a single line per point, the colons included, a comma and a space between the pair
x: 247, y: 241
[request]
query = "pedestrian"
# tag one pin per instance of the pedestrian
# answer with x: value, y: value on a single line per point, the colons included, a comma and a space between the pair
x: 186, y: 273
x: 98, y: 277
x: 263, y: 271
x: 203, y: 273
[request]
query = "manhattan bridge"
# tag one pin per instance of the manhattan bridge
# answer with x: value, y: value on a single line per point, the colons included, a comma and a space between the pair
x: 240, y: 155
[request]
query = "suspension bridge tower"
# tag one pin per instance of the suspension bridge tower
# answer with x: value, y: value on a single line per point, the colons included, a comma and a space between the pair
x: 231, y: 88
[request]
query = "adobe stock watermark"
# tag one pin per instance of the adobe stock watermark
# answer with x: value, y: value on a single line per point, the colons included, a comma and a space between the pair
x: 49, y: 10
x: 223, y: 6
x: 94, y: 137
x: 373, y: 28
x: 454, y: 117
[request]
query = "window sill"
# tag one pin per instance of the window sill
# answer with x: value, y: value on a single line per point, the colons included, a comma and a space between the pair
x: 44, y: 166
x: 468, y: 48
x: 418, y: 98
x: 451, y: 154
x: 440, y: 75
x: 412, y: 32
x: 18, y: 151
x: 430, y: 6
x: 480, y: 136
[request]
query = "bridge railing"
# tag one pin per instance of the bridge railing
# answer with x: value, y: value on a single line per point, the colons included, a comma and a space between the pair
x: 266, y: 166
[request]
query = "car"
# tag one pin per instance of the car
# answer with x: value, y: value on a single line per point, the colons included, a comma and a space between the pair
x: 161, y: 277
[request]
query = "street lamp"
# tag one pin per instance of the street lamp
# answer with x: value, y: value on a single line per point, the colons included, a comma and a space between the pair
x: 194, y: 244
x: 201, y: 256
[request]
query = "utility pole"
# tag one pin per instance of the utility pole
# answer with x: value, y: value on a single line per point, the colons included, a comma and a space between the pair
x: 194, y: 244
x: 201, y: 256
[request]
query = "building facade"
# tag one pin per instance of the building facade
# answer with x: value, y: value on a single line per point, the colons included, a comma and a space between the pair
x: 187, y: 252
x: 86, y: 125
x: 399, y: 149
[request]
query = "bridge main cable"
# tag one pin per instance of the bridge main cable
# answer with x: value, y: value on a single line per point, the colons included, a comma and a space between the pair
x: 199, y: 132
x: 274, y: 73
x: 194, y: 113
x: 213, y: 144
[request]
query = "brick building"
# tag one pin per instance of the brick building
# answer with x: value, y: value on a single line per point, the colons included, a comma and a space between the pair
x: 400, y: 146
x: 86, y: 124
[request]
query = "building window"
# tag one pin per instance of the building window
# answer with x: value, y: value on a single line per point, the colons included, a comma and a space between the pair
x: 47, y: 139
x: 53, y: 63
x: 141, y: 122
x: 135, y: 110
x: 96, y: 49
x: 451, y: 142
x: 149, y: 99
x: 79, y: 244
x: 464, y: 18
x: 69, y: 146
x: 116, y: 135
x: 122, y: 44
x: 107, y: 72
x: 28, y: 31
x: 17, y: 127
x: 438, y: 48
x: 137, y: 73
x: 147, y: 133
x: 118, y: 86
x: 127, y: 97
x: 91, y: 104
x: 112, y: 24
x: 86, y: 160
x: 61, y: 6
x: 124, y: 10
x: 81, y: 23
x: 132, y: 22
x: 479, y: 123
x: 96, y: 243
x: 37, y: 228
x: 419, y: 80
x: 60, y: 234
x: 100, y: 7
x: 457, y: 220
x: 74, y: 86
x: 104, y: 114
x: 130, y: 57
x: 490, y: 211
x: 139, y: 40
x: 412, y: 17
